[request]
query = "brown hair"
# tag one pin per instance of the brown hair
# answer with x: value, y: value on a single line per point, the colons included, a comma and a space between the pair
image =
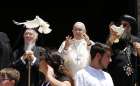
x: 10, y: 73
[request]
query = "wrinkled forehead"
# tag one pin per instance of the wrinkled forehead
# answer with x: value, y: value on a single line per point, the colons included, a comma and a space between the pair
x: 124, y: 22
x: 79, y: 25
x: 31, y: 31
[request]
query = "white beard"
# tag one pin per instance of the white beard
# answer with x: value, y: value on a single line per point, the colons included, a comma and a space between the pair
x: 126, y: 36
x: 29, y: 46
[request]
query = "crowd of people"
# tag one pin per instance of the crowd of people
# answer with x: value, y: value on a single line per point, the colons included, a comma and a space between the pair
x: 79, y: 61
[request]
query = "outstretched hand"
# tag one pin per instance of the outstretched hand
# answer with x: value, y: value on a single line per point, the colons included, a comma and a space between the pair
x: 50, y: 72
x: 113, y: 37
x: 86, y: 37
x: 68, y: 42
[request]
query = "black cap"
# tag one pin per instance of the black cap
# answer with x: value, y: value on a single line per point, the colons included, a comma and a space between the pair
x: 128, y: 18
x: 132, y: 21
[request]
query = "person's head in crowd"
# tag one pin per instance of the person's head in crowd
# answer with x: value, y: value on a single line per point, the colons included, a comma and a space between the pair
x: 100, y: 55
x: 52, y: 66
x: 130, y: 25
x: 53, y: 59
x: 9, y: 77
x: 30, y: 37
x: 78, y: 30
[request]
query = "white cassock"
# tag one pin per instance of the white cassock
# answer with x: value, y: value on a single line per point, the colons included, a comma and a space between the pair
x: 77, y: 56
x: 93, y: 77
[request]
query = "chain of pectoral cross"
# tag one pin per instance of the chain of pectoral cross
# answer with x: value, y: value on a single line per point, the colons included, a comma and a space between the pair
x: 128, y: 68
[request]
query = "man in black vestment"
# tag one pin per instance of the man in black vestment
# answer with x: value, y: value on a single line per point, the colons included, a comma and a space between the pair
x: 123, y: 68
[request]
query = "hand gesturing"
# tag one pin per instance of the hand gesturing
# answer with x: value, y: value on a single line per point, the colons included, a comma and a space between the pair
x: 68, y: 42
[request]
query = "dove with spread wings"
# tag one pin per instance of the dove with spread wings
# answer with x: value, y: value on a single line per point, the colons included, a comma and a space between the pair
x: 44, y: 27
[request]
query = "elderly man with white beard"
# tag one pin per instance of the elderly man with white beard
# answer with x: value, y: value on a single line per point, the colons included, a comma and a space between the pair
x: 24, y: 55
x: 125, y: 53
x: 27, y: 56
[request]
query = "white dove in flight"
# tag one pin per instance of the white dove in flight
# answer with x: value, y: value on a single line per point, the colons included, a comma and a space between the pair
x: 37, y: 22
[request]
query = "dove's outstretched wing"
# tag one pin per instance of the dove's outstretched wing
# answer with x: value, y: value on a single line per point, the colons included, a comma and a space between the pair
x: 37, y: 22
x: 29, y: 23
x: 44, y: 26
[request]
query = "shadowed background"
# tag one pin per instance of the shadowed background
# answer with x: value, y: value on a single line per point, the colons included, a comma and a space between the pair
x: 61, y: 15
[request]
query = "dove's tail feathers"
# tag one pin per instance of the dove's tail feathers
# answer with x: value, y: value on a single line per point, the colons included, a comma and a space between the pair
x: 48, y: 31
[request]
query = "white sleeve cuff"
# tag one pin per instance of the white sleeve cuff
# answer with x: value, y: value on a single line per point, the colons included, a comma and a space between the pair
x: 22, y: 60
x: 64, y: 51
x: 34, y: 60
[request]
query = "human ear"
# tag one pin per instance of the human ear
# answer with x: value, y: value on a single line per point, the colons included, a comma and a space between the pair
x: 98, y: 55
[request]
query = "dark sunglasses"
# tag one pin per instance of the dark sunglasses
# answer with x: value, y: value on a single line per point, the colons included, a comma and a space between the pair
x: 125, y: 24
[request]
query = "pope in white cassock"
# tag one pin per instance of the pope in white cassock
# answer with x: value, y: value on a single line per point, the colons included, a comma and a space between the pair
x: 76, y: 50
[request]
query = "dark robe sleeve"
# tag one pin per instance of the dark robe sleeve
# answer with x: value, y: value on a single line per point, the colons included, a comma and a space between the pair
x: 5, y: 50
